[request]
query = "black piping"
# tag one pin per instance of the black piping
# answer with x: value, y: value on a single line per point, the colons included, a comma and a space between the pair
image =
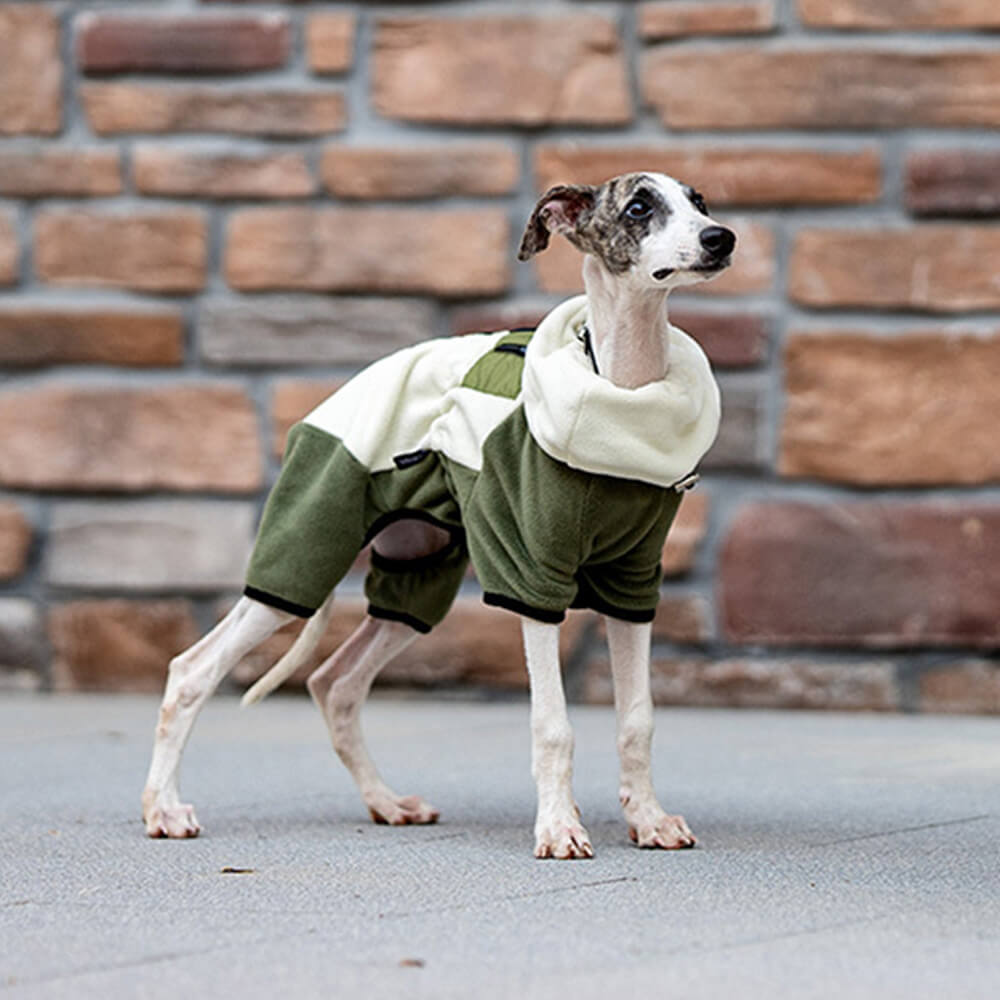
x: 512, y: 604
x: 409, y: 514
x: 399, y: 616
x: 588, y: 348
x: 430, y: 561
x: 300, y: 610
x: 519, y: 349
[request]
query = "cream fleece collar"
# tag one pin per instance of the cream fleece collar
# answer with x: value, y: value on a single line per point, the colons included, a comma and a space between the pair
x: 657, y: 433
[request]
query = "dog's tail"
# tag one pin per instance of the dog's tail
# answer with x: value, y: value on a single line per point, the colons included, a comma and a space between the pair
x: 295, y: 658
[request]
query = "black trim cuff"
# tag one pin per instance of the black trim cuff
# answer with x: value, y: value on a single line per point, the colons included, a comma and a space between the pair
x: 278, y: 602
x: 546, y: 615
x: 399, y: 616
x: 592, y: 602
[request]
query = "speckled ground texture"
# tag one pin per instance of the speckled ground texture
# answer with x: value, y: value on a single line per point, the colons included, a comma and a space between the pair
x: 839, y: 856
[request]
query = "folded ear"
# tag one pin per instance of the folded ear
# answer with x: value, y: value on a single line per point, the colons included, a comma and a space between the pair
x: 559, y: 210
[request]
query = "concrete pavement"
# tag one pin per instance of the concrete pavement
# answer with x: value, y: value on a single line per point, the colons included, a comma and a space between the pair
x: 839, y: 855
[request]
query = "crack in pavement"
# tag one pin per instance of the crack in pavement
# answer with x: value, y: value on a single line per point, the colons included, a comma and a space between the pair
x: 905, y: 829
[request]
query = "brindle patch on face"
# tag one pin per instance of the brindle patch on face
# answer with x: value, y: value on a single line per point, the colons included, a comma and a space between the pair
x: 608, y: 232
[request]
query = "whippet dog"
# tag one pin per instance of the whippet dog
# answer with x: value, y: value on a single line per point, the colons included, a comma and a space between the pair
x: 554, y: 458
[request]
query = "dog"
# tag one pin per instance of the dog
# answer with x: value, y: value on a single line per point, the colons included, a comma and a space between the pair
x: 554, y: 458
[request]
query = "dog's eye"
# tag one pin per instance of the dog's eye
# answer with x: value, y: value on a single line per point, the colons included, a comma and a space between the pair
x: 698, y: 202
x: 638, y: 208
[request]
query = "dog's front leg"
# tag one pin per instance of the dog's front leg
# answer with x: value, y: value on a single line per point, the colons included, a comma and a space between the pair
x: 648, y: 824
x: 558, y: 831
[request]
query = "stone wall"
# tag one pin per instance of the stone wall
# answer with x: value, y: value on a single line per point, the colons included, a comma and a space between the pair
x: 213, y: 212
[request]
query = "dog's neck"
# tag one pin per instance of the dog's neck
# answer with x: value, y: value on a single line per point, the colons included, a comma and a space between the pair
x: 628, y: 326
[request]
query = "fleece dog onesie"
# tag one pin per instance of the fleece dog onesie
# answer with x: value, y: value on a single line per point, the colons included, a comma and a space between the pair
x: 559, y: 485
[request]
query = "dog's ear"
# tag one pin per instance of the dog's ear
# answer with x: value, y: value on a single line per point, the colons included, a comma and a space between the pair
x: 559, y: 210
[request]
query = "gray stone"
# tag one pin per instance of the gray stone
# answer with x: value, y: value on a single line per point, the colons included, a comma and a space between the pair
x: 305, y: 330
x: 310, y: 330
x: 741, y: 443
x: 196, y: 545
x: 22, y: 644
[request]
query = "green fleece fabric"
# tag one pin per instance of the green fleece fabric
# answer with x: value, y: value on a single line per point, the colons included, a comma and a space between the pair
x: 543, y: 533
x: 544, y: 537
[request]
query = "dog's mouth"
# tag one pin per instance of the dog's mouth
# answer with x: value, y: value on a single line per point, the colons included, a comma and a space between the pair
x: 712, y: 266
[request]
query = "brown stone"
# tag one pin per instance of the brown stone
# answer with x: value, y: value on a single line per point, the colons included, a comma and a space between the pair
x: 680, y: 618
x: 760, y: 683
x: 730, y: 339
x: 15, y: 540
x: 30, y: 70
x: 475, y: 645
x: 953, y: 182
x: 23, y: 649
x: 117, y: 645
x: 311, y: 330
x: 150, y: 546
x: 741, y: 442
x: 117, y: 43
x: 531, y: 70
x: 9, y: 249
x: 33, y: 333
x: 966, y: 686
x: 697, y: 87
x: 113, y: 108
x: 938, y: 268
x: 292, y: 400
x: 442, y: 252
x: 726, y: 175
x: 935, y: 14
x: 38, y: 173
x: 894, y: 410
x: 167, y: 170
x: 872, y: 574
x: 143, y: 250
x: 445, y: 169
x: 330, y: 42
x: 753, y: 270
x: 686, y: 534
x: 679, y: 18
x: 62, y: 436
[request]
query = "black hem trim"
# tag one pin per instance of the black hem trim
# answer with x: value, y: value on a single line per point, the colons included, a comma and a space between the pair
x: 593, y: 603
x: 300, y: 610
x: 546, y: 615
x: 399, y: 616
x: 430, y: 561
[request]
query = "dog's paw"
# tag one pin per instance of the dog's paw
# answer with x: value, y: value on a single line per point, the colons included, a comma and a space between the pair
x: 563, y: 840
x: 402, y: 810
x: 668, y: 833
x: 176, y: 822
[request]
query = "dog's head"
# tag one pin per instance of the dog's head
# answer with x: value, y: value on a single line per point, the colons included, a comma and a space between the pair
x: 646, y: 225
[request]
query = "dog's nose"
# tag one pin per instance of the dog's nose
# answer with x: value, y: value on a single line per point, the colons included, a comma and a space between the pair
x: 719, y: 242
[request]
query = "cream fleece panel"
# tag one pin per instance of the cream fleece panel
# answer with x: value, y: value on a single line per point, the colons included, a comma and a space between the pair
x: 467, y: 419
x: 388, y: 408
x: 656, y: 434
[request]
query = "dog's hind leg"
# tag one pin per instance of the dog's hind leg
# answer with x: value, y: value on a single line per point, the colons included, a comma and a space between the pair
x: 339, y: 687
x: 648, y: 824
x: 193, y: 676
